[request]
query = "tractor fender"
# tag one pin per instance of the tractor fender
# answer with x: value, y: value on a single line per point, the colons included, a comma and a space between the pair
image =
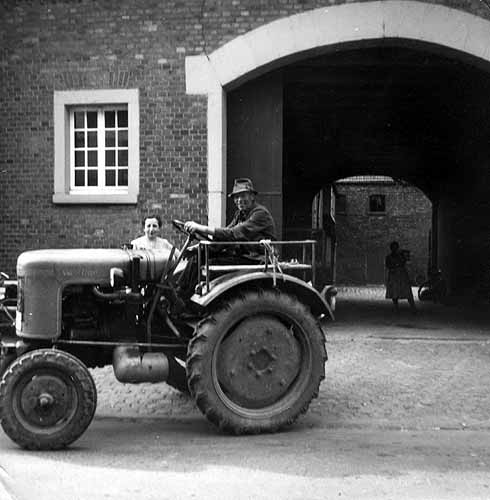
x: 230, y: 282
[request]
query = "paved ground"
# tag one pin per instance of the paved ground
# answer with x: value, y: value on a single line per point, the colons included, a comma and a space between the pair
x: 385, y: 370
x: 403, y: 413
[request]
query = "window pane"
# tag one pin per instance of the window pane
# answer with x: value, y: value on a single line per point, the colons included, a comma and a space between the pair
x: 122, y: 138
x: 377, y: 203
x: 110, y: 139
x: 92, y: 139
x: 92, y: 178
x: 79, y: 177
x: 122, y: 158
x: 92, y: 158
x: 110, y: 119
x: 123, y: 177
x: 110, y: 158
x: 79, y: 119
x: 122, y: 118
x: 92, y: 119
x: 79, y: 159
x: 87, y: 149
x: 79, y: 139
x: 110, y: 177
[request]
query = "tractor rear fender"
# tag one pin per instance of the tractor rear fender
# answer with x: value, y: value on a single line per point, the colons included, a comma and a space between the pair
x: 231, y: 282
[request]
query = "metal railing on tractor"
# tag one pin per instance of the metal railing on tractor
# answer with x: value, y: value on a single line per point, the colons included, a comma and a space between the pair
x: 301, y: 255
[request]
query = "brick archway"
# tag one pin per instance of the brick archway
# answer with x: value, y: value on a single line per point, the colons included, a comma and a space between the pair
x: 267, y: 46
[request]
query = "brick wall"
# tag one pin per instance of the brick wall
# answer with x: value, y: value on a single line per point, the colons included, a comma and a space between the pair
x: 86, y: 44
x: 363, y: 238
x: 48, y: 46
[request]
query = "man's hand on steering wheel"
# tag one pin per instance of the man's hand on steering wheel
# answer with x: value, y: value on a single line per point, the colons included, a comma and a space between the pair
x: 192, y: 228
x: 199, y: 230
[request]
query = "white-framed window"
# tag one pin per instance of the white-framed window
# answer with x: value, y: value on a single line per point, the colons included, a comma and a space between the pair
x: 96, y: 146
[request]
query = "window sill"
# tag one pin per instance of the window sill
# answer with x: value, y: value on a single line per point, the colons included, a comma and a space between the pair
x: 81, y: 199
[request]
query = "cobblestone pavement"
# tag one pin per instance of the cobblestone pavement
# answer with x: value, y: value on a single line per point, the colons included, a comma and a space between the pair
x: 401, y: 371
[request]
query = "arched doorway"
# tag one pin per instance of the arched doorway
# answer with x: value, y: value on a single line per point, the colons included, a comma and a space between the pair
x: 401, y: 98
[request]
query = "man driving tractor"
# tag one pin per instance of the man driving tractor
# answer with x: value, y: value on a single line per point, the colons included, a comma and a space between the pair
x: 251, y: 222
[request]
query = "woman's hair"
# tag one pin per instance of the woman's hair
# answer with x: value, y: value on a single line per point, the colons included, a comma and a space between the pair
x: 152, y: 216
x: 394, y: 245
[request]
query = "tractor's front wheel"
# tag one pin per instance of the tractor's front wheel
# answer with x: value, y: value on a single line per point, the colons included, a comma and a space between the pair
x: 47, y: 400
x: 255, y: 364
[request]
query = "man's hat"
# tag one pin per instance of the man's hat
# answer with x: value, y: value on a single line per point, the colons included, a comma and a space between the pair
x: 242, y: 185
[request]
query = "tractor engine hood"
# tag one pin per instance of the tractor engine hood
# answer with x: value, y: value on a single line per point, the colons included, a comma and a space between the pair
x: 67, y: 266
x: 44, y: 274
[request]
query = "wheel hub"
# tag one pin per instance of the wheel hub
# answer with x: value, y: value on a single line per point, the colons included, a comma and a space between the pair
x: 45, y: 400
x: 258, y: 361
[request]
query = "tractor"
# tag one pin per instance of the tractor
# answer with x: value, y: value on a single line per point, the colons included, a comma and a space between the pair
x: 248, y: 346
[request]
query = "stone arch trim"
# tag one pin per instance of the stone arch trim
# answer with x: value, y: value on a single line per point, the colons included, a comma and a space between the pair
x: 309, y: 30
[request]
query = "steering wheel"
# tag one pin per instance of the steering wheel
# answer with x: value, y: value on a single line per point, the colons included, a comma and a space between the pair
x: 179, y: 225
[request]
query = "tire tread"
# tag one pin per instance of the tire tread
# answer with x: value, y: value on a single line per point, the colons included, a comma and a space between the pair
x: 205, y: 334
x: 14, y: 429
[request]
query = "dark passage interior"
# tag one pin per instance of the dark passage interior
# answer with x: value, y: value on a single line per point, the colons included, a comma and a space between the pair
x: 404, y: 110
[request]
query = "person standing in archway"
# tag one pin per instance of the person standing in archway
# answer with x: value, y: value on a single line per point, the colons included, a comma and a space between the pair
x: 398, y: 282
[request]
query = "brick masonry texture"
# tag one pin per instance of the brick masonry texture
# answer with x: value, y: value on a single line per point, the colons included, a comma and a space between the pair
x: 97, y: 45
x: 71, y: 45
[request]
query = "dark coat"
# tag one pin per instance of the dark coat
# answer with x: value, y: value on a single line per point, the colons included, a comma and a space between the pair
x: 255, y: 225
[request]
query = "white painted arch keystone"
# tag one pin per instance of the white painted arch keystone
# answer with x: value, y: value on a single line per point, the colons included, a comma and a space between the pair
x: 310, y: 30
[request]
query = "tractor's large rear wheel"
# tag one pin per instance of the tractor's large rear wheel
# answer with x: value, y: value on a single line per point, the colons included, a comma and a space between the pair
x: 255, y: 364
x: 48, y: 399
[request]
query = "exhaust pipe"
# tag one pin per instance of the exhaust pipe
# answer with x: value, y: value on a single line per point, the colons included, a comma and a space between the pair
x: 133, y: 367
